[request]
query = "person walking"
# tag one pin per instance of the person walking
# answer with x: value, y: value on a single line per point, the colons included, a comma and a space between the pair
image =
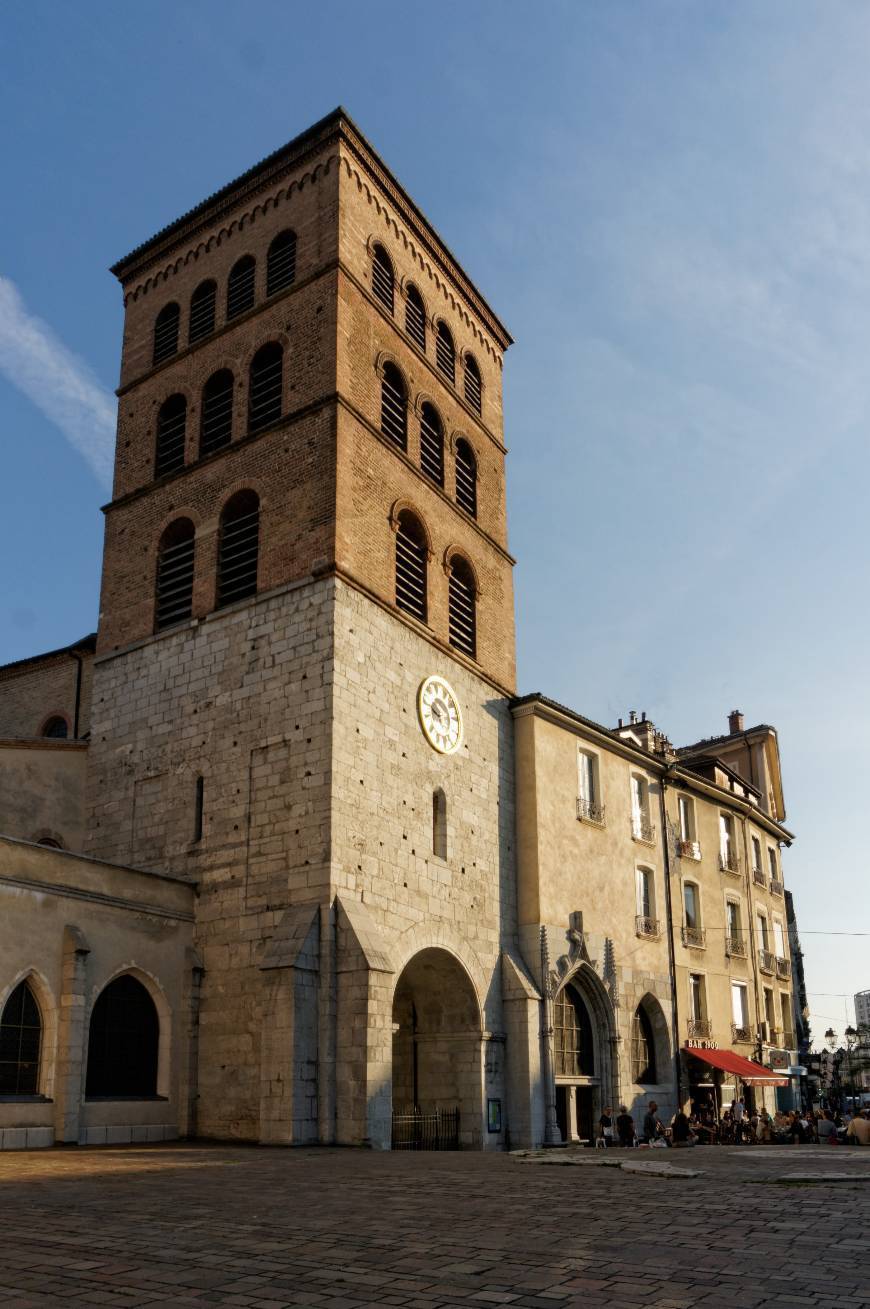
x: 738, y: 1113
x: 605, y: 1126
x: 858, y: 1132
x: 826, y: 1129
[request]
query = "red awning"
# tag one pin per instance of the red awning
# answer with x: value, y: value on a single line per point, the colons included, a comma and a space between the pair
x: 745, y: 1069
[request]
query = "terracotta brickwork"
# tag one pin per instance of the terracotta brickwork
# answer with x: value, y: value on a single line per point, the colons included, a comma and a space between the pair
x: 35, y: 690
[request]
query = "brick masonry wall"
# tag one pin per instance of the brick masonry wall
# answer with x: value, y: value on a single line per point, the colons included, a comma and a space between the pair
x: 29, y: 696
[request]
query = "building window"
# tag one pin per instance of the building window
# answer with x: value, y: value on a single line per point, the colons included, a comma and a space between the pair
x: 734, y: 942
x: 240, y: 286
x: 693, y: 931
x: 412, y: 553
x: 266, y: 387
x: 589, y: 805
x: 20, y: 1043
x: 175, y: 557
x: 415, y: 317
x: 641, y: 827
x: 383, y: 280
x: 785, y: 1014
x: 697, y: 998
x: 763, y: 937
x: 171, y: 428
x: 462, y: 607
x: 197, y: 809
x: 778, y: 939
x: 166, y: 333
x: 770, y: 1015
x: 216, y: 422
x: 687, y: 819
x: 57, y: 728
x: 740, y: 1011
x: 432, y: 444
x: 439, y: 824
x: 644, y: 886
x: 394, y: 406
x: 281, y: 262
x: 202, y: 311
x: 473, y: 390
x: 466, y: 478
x: 50, y: 843
x: 574, y: 1048
x: 238, y: 548
x: 727, y: 853
x: 445, y: 353
x: 771, y: 861
x: 123, y: 1042
x: 756, y: 855
x: 643, y: 1049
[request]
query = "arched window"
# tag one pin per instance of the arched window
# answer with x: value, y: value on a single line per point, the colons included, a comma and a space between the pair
x: 57, y: 728
x: 166, y: 332
x: 439, y: 824
x: 240, y: 286
x: 411, y: 558
x: 171, y: 427
x: 281, y: 262
x: 266, y: 387
x: 462, y: 607
x: 643, y: 1049
x: 415, y: 317
x: 445, y: 353
x: 174, y: 601
x: 575, y: 1050
x: 432, y: 444
x: 238, y: 548
x: 50, y: 843
x: 466, y: 478
x: 216, y: 420
x: 473, y: 389
x: 20, y: 1042
x: 202, y: 311
x: 394, y: 406
x: 123, y: 1042
x: 383, y: 281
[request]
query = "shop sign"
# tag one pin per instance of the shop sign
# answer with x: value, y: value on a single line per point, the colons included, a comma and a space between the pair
x: 778, y: 1059
x: 702, y: 1045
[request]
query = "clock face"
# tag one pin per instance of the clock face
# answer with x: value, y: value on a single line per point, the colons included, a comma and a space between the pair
x: 440, y: 715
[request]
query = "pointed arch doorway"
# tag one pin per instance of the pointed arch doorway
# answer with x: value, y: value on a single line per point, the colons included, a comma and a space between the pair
x: 583, y: 1037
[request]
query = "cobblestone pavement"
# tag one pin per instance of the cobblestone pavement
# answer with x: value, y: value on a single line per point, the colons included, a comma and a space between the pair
x: 340, y: 1229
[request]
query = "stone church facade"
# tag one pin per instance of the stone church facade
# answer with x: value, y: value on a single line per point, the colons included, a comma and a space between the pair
x: 309, y: 833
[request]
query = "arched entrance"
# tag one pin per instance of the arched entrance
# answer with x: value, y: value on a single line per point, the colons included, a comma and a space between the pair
x: 583, y: 1035
x: 437, y: 1055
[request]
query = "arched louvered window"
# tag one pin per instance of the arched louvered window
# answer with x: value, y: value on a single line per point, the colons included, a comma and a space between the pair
x: 462, y: 607
x: 432, y: 444
x: 171, y: 427
x: 281, y: 262
x: 174, y: 603
x: 57, y: 728
x: 473, y: 388
x: 20, y: 1042
x: 415, y: 317
x: 166, y: 332
x: 238, y: 548
x: 439, y: 824
x: 216, y: 419
x: 240, y: 286
x: 394, y: 406
x: 445, y: 353
x: 466, y: 478
x: 411, y: 558
x: 266, y: 387
x: 383, y: 280
x: 202, y: 311
x: 123, y: 1042
x: 643, y: 1049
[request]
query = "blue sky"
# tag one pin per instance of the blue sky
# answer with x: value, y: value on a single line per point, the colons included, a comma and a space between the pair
x: 669, y: 205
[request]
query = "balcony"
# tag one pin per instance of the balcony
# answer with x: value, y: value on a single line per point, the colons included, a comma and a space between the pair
x: 648, y: 927
x: 766, y: 961
x: 643, y: 830
x: 695, y: 938
x: 590, y: 812
x: 735, y: 946
x: 699, y: 1028
x: 776, y: 886
x: 729, y: 862
x: 740, y: 1033
x: 783, y: 968
x: 758, y: 877
x: 689, y: 849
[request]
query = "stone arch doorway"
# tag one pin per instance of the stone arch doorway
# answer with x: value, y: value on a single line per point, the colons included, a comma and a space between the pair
x: 437, y: 1055
x: 584, y: 1033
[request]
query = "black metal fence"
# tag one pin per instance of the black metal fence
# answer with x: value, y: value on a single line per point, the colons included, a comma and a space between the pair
x: 416, y: 1129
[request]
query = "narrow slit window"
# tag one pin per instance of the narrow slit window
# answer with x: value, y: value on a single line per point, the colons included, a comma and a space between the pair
x: 216, y: 423
x: 411, y: 559
x: 415, y: 317
x: 238, y: 548
x: 197, y: 809
x: 266, y: 387
x: 466, y: 478
x: 166, y: 333
x: 240, y: 286
x: 432, y: 444
x: 462, y: 607
x: 473, y: 389
x: 439, y: 824
x: 445, y: 353
x: 175, y: 560
x: 171, y: 429
x: 202, y: 311
x: 394, y: 406
x: 383, y: 280
x: 281, y: 262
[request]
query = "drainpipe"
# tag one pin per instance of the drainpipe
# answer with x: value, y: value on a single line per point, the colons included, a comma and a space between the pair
x: 672, y: 958
x: 74, y: 654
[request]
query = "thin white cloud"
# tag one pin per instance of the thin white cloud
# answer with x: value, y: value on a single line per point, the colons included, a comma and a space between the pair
x: 57, y: 382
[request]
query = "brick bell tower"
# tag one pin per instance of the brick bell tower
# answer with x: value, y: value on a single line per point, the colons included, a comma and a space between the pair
x: 306, y: 645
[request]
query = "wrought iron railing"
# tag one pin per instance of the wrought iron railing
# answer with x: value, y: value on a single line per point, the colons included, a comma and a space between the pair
x: 766, y: 961
x: 758, y: 877
x: 694, y: 937
x: 776, y: 886
x: 646, y: 926
x: 436, y: 1129
x: 783, y: 968
x: 588, y: 811
x: 735, y: 945
x: 689, y: 849
x: 699, y: 1028
x: 740, y: 1033
x: 729, y: 862
x: 642, y: 829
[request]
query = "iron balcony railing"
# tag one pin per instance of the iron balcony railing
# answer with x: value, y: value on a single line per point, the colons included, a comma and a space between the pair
x: 729, y: 861
x: 588, y: 811
x: 766, y: 961
x: 783, y: 968
x: 689, y: 849
x: 647, y: 926
x: 699, y: 1028
x: 776, y: 886
x: 758, y: 877
x: 694, y: 937
x: 642, y: 829
x: 437, y: 1129
x: 740, y: 1033
x: 735, y: 945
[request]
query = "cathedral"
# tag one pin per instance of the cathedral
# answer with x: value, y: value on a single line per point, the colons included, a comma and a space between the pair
x: 284, y: 856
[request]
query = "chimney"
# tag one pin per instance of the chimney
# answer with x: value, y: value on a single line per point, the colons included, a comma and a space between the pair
x: 735, y: 721
x: 632, y: 715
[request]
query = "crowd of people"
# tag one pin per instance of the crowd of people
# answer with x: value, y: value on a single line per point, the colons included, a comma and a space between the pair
x: 737, y: 1125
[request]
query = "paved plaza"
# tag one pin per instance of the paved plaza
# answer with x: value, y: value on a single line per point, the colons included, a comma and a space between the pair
x: 197, y: 1225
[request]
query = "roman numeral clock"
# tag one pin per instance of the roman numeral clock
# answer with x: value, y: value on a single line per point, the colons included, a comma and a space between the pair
x: 440, y: 715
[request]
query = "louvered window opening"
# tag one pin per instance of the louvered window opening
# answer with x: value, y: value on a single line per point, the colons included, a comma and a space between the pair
x: 240, y: 287
x: 432, y: 445
x: 175, y: 582
x: 410, y: 575
x: 202, y: 312
x: 171, y: 425
x: 394, y: 410
x: 20, y: 1040
x: 415, y: 318
x: 266, y: 386
x: 281, y: 263
x: 472, y: 386
x: 462, y: 616
x: 217, y: 413
x: 237, y: 571
x: 166, y: 333
x: 466, y: 481
x: 445, y: 355
x: 382, y: 279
